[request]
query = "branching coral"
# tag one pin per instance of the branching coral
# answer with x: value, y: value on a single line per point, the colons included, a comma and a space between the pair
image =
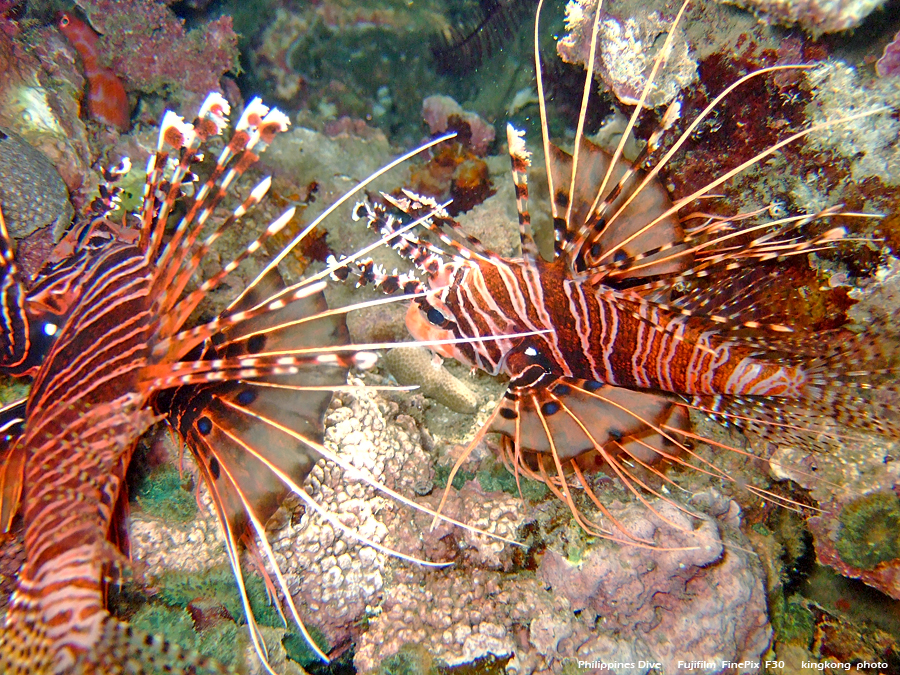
x: 416, y: 365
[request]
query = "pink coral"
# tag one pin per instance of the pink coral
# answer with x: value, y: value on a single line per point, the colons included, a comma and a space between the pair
x: 700, y: 596
x: 437, y: 111
x: 889, y: 63
x: 146, y: 44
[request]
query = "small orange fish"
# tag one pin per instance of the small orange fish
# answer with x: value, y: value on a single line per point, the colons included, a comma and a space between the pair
x: 107, y: 100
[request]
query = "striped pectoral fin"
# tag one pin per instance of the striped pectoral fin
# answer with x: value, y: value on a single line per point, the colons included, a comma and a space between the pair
x: 593, y: 240
x: 655, y: 442
x: 302, y: 323
x: 573, y: 417
x: 558, y: 431
x: 256, y: 432
x: 255, y: 441
x: 270, y: 321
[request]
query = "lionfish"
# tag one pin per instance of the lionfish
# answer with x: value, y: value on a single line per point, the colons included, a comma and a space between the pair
x: 637, y: 319
x: 102, y: 328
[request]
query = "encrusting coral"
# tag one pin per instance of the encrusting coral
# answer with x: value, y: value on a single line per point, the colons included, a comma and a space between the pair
x: 148, y: 46
x: 624, y: 53
x: 609, y: 604
x: 816, y: 16
x: 439, y: 113
x: 871, y: 143
x: 889, y: 63
x: 31, y: 191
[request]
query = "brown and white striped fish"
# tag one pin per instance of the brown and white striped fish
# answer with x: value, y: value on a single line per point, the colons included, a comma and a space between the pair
x: 246, y: 392
x: 615, y: 359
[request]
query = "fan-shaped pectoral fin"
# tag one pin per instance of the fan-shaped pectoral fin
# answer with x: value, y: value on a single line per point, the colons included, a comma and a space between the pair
x: 248, y: 461
x: 626, y: 231
x: 581, y: 416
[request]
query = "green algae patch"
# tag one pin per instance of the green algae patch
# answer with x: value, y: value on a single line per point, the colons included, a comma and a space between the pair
x: 442, y: 473
x: 410, y: 659
x: 12, y: 389
x: 792, y: 620
x: 570, y: 667
x: 218, y: 585
x: 176, y: 625
x: 162, y: 494
x: 297, y: 648
x: 870, y: 530
x: 493, y: 477
x: 212, y: 595
x: 498, y: 478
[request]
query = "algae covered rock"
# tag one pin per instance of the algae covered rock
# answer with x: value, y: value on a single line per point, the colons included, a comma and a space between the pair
x: 870, y: 530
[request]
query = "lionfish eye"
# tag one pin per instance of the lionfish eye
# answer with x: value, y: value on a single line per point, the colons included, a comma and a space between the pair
x: 435, y: 317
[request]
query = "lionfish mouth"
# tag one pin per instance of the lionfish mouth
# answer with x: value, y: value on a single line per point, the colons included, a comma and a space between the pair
x: 655, y: 373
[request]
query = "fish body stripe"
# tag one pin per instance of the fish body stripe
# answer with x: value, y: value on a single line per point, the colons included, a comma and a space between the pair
x: 84, y: 413
x: 601, y: 334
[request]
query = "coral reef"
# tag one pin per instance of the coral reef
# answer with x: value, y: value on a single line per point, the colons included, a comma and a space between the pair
x: 815, y: 16
x: 339, y: 578
x: 336, y: 576
x: 147, y: 45
x: 613, y: 604
x: 565, y: 597
x: 456, y: 172
x: 341, y: 58
x: 870, y: 530
x: 624, y: 53
x: 849, y: 479
x: 177, y: 547
x: 417, y: 365
x: 40, y: 91
x: 870, y: 143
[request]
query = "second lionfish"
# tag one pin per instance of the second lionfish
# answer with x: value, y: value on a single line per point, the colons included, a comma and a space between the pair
x: 640, y: 317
